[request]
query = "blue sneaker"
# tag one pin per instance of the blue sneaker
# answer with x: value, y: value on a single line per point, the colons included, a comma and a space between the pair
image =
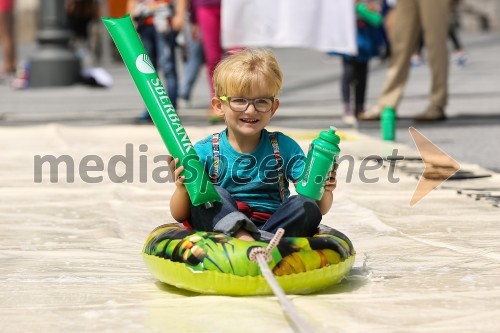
x: 460, y: 58
x: 144, y: 118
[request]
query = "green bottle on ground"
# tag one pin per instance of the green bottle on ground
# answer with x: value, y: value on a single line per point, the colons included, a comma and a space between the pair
x: 319, y: 162
x: 388, y: 123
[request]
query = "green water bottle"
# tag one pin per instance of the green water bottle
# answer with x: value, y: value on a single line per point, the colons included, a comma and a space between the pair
x: 320, y: 160
x: 388, y: 123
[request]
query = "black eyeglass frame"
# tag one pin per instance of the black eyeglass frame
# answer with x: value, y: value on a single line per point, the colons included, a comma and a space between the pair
x: 249, y: 101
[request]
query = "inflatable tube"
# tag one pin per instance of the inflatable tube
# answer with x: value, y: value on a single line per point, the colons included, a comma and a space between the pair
x: 214, y: 263
x: 160, y: 108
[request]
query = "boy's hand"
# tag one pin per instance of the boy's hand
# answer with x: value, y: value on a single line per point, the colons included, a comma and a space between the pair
x: 178, y: 179
x: 331, y: 182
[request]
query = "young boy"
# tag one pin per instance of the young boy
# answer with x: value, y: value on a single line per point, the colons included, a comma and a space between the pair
x: 243, y: 160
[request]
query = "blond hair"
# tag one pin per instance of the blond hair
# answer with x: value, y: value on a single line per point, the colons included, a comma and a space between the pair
x: 239, y: 72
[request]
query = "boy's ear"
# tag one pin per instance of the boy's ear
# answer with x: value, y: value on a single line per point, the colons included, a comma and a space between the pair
x: 275, y: 106
x: 217, y: 105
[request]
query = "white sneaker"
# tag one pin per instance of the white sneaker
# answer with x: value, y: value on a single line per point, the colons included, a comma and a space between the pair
x: 416, y: 61
x: 349, y: 119
x: 183, y: 103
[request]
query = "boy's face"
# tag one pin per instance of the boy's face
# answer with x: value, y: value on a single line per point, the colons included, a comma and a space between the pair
x: 249, y: 122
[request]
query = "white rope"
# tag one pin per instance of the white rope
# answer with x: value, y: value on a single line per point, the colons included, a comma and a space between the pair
x: 261, y: 256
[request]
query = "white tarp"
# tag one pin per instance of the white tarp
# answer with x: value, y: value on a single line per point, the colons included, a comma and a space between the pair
x: 323, y: 25
x: 70, y: 253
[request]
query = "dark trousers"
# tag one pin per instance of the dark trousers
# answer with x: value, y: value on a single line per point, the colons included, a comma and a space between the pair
x: 149, y: 38
x: 168, y: 63
x: 161, y: 50
x: 298, y: 215
x: 354, y: 77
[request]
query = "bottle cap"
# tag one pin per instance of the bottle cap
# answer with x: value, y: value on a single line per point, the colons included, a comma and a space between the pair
x: 330, y: 135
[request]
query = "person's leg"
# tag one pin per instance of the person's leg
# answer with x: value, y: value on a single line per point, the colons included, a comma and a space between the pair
x: 209, y: 20
x: 223, y: 217
x: 420, y: 44
x: 345, y: 89
x: 95, y: 42
x: 347, y: 72
x: 167, y: 58
x: 435, y: 22
x: 195, y: 59
x: 459, y: 56
x: 417, y: 58
x: 7, y: 40
x: 360, y: 79
x: 452, y: 34
x: 298, y: 215
x: 149, y: 38
x: 389, y: 25
x: 386, y: 9
x: 405, y: 33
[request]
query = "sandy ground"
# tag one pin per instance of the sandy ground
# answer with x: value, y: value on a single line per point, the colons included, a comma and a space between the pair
x: 71, y: 252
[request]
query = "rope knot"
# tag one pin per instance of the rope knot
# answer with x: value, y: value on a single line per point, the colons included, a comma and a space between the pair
x: 266, y: 252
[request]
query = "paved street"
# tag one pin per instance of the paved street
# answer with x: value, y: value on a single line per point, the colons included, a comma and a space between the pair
x: 310, y: 99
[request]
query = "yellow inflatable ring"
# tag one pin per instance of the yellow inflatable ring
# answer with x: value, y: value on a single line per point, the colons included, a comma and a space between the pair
x: 214, y: 263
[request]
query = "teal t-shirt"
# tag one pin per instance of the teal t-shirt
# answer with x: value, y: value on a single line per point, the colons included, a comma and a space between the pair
x: 252, y: 177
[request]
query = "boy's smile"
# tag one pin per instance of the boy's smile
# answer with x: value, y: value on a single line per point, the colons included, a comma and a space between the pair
x: 249, y: 121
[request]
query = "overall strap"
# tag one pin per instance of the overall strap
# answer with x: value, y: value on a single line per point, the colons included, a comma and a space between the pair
x: 273, y: 136
x: 216, y: 154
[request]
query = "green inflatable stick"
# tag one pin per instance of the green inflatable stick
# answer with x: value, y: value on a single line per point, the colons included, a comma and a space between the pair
x: 366, y: 14
x: 123, y: 33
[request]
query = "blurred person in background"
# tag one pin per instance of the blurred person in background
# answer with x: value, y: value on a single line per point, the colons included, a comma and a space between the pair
x: 459, y: 57
x: 7, y: 39
x: 194, y: 60
x: 411, y: 17
x: 142, y: 13
x: 83, y: 17
x: 206, y: 16
x: 369, y: 40
x: 158, y: 24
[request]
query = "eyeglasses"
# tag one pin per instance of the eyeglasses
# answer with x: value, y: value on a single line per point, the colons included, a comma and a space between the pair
x: 240, y: 104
